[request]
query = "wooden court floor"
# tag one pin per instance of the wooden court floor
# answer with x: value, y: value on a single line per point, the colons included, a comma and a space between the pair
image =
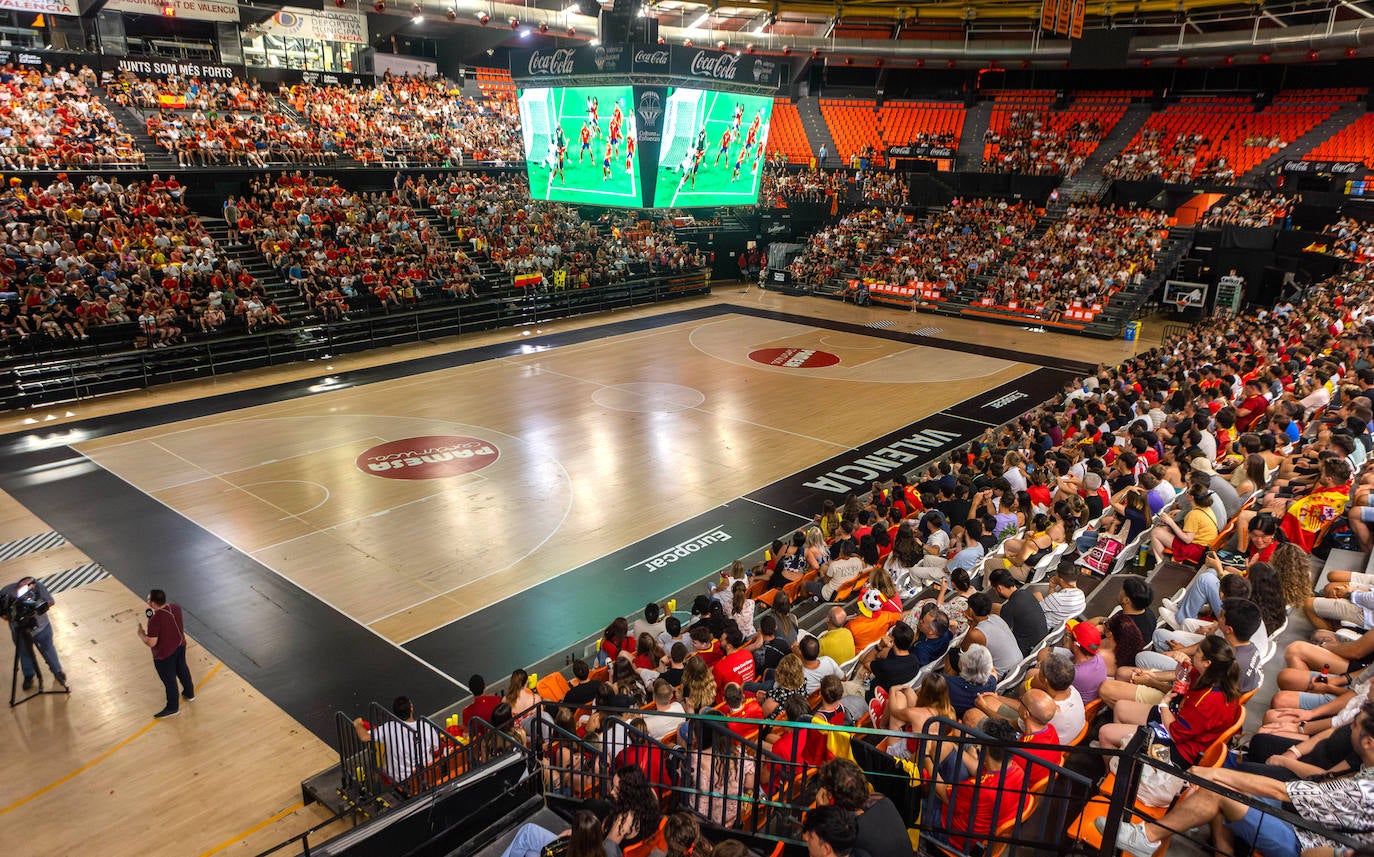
x: 589, y: 447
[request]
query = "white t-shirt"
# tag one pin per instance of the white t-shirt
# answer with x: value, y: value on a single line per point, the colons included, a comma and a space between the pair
x: 825, y: 666
x: 1069, y: 716
x: 658, y: 725
x: 1015, y: 479
x: 407, y: 747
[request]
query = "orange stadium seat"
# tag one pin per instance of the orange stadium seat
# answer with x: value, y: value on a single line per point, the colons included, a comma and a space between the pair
x: 786, y: 134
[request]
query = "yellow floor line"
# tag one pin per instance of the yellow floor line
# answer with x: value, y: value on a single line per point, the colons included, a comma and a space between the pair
x: 254, y: 829
x: 102, y: 757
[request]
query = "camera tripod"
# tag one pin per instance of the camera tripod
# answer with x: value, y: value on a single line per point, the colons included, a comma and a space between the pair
x: 26, y: 642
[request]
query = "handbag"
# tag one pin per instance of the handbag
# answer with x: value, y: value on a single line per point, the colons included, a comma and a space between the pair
x: 556, y: 848
x: 1157, y: 787
x: 1102, y: 556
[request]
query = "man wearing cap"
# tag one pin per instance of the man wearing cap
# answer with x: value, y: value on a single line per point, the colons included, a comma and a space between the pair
x: 1089, y: 670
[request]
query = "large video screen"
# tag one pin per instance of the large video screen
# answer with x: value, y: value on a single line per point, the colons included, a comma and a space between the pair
x: 580, y: 145
x: 713, y: 148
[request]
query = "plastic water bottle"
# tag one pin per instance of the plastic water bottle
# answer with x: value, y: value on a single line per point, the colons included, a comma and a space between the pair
x: 1183, y: 679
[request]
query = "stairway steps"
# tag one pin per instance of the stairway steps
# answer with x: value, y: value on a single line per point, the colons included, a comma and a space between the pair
x: 976, y: 122
x: 1300, y: 147
x: 817, y: 132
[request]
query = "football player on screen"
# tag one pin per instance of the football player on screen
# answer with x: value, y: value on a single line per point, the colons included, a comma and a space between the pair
x: 586, y: 136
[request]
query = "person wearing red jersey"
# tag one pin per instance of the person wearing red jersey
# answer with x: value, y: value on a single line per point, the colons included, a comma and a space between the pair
x: 629, y: 154
x: 606, y: 161
x: 737, y: 667
x: 725, y: 139
x: 585, y: 135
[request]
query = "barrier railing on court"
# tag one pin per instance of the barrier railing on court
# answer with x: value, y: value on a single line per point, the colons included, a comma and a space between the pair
x: 952, y: 785
x: 384, y: 760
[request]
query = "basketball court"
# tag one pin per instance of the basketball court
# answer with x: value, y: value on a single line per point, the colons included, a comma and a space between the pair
x: 393, y: 527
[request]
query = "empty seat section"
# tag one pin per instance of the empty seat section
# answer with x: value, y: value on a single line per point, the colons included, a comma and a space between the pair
x: 1354, y: 142
x: 786, y: 134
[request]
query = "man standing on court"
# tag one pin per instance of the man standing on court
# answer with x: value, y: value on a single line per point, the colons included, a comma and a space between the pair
x: 166, y: 636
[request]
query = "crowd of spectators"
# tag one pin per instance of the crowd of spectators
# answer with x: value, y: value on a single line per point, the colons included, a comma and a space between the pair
x: 347, y: 249
x: 235, y: 138
x: 874, y: 187
x: 80, y: 257
x: 1250, y: 208
x: 191, y: 93
x: 1088, y: 255
x: 1029, y: 144
x: 946, y: 247
x: 1159, y: 153
x: 413, y: 120
x: 54, y: 119
x: 1230, y: 453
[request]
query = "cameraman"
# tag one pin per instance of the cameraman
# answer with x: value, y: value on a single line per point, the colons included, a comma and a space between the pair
x: 26, y: 606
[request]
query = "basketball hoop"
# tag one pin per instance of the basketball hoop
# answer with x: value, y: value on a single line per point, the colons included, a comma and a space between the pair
x: 1182, y: 304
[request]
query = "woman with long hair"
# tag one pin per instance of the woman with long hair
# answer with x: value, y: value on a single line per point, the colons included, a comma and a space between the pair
x: 648, y: 653
x: 586, y: 838
x: 1121, y: 641
x: 724, y: 776
x: 625, y: 678
x: 519, y: 696
x: 1295, y: 575
x: 790, y: 563
x: 880, y: 580
x: 816, y: 553
x: 1207, y: 708
x: 741, y: 609
x: 789, y: 680
x: 782, y: 613
x: 1251, y: 476
x: 1267, y: 593
x: 1021, y: 555
x: 633, y: 814
x: 829, y: 520
x: 868, y: 550
x: 906, y: 554
x: 698, y: 694
x: 682, y: 838
x: 614, y: 640
x: 908, y: 708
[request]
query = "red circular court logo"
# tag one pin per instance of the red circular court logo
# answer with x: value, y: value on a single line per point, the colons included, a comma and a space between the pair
x: 431, y: 457
x: 794, y: 358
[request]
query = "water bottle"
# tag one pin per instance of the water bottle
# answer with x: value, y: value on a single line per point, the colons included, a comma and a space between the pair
x: 1144, y: 555
x: 1183, y: 679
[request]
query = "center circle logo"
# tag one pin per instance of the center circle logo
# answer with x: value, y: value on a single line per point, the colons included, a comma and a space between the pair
x: 794, y: 358
x: 429, y: 457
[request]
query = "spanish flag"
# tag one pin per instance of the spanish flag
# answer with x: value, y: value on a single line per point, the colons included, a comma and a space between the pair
x: 165, y: 100
x: 525, y: 281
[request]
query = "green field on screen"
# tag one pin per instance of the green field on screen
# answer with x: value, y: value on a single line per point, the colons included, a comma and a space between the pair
x: 722, y: 177
x: 585, y: 179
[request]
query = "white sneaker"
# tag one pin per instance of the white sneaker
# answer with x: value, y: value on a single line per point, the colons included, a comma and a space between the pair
x: 1130, y: 838
x: 1170, y: 604
x: 1167, y: 617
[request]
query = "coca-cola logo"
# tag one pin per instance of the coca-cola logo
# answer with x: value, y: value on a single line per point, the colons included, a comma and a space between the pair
x: 652, y: 57
x: 717, y: 66
x: 557, y: 62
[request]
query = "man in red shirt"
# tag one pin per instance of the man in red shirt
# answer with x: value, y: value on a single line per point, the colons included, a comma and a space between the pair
x: 736, y: 667
x: 1036, y: 709
x: 1252, y: 407
x: 166, y: 636
x: 483, y: 703
x: 704, y: 645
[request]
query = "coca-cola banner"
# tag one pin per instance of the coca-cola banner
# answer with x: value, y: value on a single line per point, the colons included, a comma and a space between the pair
x: 705, y: 66
x: 726, y: 67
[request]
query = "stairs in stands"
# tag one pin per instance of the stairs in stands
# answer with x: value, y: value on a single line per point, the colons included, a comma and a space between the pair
x: 155, y: 157
x: 976, y: 121
x: 287, y: 297
x: 817, y: 132
x: 494, y: 280
x: 1089, y: 183
x: 1295, y: 151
